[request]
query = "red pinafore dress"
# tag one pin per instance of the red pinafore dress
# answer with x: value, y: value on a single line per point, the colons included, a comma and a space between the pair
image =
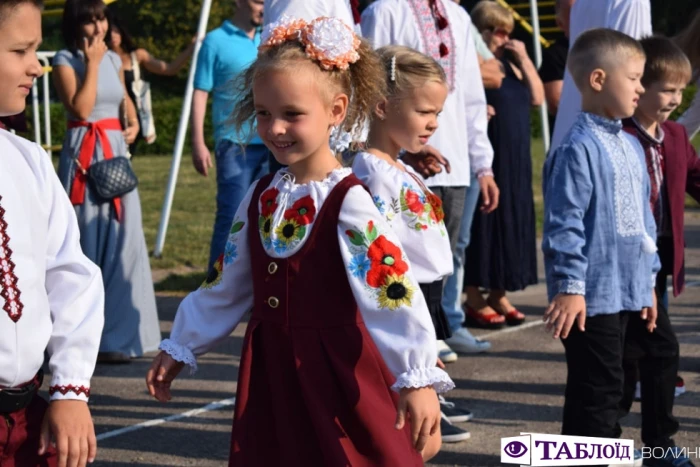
x: 313, y: 390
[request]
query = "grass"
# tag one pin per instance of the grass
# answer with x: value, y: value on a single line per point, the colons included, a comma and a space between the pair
x: 186, y: 249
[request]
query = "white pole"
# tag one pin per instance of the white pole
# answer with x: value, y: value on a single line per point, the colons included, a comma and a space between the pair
x: 181, y: 132
x: 47, y: 112
x: 535, y: 15
x: 35, y: 113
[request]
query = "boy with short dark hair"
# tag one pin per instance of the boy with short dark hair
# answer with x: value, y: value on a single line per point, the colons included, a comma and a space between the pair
x: 51, y: 295
x: 674, y: 170
x: 599, y: 234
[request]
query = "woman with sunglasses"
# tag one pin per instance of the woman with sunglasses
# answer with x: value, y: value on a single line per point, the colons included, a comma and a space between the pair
x: 502, y: 251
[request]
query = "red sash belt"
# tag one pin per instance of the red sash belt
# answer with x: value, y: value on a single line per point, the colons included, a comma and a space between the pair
x: 95, y: 130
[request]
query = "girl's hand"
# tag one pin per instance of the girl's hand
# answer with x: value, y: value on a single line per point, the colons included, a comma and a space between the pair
x: 163, y: 371
x: 94, y: 50
x: 423, y: 406
x: 131, y: 133
x: 519, y: 51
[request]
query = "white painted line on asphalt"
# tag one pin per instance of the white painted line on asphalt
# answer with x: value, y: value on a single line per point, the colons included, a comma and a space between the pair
x: 523, y: 326
x: 159, y: 421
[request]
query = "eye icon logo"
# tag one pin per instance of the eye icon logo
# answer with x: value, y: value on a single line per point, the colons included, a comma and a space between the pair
x: 515, y: 449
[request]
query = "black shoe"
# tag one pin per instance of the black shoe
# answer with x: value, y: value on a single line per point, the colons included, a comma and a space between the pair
x: 451, y: 433
x: 453, y: 413
x: 113, y: 358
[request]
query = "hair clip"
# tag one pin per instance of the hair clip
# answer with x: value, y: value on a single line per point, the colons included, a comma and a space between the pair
x: 393, y: 68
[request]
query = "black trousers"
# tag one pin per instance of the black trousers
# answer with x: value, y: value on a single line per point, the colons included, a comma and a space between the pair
x: 652, y: 359
x: 594, y: 376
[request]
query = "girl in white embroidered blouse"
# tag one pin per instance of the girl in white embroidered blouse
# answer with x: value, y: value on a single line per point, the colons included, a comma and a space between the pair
x: 337, y: 320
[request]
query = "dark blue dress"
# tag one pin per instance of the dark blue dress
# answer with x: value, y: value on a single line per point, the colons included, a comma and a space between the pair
x: 502, y: 251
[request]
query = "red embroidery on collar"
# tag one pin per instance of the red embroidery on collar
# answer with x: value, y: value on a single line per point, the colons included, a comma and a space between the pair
x: 70, y: 388
x: 8, y: 280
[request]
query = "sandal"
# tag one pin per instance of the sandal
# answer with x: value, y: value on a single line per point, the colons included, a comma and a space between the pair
x: 513, y: 317
x: 490, y: 320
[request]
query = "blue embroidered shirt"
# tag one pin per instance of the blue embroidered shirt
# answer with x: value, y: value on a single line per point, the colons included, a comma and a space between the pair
x: 599, y: 231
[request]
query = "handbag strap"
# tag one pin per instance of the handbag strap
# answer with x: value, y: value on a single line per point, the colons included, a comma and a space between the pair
x: 135, y: 67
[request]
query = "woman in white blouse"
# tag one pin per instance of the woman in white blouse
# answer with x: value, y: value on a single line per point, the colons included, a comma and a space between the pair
x: 689, y: 41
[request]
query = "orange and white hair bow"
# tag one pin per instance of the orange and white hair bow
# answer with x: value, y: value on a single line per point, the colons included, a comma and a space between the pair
x: 329, y: 41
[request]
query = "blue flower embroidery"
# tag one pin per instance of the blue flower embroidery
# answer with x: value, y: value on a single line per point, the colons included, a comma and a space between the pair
x: 279, y: 246
x: 359, y: 265
x: 230, y: 253
x: 381, y: 205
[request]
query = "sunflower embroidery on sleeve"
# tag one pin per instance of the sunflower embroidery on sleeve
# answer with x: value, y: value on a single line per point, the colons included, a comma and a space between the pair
x: 421, y: 210
x: 215, y: 274
x: 380, y: 263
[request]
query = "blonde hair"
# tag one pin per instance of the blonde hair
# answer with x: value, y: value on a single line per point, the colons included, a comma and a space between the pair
x: 665, y: 62
x: 600, y: 48
x: 489, y: 15
x: 363, y: 83
x: 689, y: 42
x: 406, y: 68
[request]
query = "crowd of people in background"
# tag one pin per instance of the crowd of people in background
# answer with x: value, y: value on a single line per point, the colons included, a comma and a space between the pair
x: 392, y: 151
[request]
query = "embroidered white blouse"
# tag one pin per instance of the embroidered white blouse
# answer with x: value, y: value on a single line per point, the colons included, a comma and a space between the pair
x: 633, y: 17
x: 462, y: 136
x: 51, y: 295
x: 373, y: 258
x: 412, y: 211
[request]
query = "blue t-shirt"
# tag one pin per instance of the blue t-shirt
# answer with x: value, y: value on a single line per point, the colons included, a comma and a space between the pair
x: 225, y: 53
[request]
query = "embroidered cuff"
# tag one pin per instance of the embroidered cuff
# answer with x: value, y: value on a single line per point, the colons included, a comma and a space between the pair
x: 572, y: 287
x: 485, y: 172
x: 179, y: 353
x: 422, y: 377
x: 62, y: 389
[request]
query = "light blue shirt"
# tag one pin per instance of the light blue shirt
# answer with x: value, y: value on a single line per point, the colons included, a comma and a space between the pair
x: 225, y: 53
x: 599, y: 231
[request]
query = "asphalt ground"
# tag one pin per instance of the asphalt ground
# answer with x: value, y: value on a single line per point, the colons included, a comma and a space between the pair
x: 517, y: 387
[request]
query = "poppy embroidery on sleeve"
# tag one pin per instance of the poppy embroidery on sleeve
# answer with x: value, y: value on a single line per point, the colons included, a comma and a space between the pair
x: 8, y: 280
x: 381, y: 265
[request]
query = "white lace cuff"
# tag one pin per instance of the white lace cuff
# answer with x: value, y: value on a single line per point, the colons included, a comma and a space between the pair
x: 572, y: 287
x: 422, y: 377
x: 179, y: 353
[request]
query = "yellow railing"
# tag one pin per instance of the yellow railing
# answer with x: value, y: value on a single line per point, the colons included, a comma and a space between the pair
x: 523, y: 20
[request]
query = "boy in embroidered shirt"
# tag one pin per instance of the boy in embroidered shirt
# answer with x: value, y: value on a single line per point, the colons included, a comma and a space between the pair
x: 674, y: 169
x: 599, y: 233
x: 51, y: 296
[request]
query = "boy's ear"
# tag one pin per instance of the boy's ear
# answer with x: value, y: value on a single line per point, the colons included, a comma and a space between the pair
x: 339, y: 109
x: 597, y: 79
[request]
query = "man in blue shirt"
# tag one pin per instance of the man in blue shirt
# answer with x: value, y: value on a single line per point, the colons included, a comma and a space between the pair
x: 240, y: 158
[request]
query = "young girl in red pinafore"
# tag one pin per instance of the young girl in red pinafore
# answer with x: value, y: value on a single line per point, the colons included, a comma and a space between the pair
x: 339, y: 356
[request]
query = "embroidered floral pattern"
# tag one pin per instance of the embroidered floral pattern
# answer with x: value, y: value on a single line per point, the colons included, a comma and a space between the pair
x: 215, y: 274
x: 292, y: 230
x: 434, y: 37
x: 77, y: 390
x: 8, y: 280
x: 627, y: 169
x: 231, y: 250
x: 302, y: 212
x: 422, y: 211
x: 380, y: 204
x: 572, y: 287
x: 268, y: 202
x: 380, y: 263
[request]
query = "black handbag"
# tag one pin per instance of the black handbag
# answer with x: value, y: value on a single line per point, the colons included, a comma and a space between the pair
x: 111, y: 178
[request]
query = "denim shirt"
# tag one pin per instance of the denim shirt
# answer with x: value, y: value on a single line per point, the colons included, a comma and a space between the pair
x: 599, y: 231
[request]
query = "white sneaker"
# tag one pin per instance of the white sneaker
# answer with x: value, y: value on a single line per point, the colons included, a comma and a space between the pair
x: 445, y: 353
x: 463, y: 342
